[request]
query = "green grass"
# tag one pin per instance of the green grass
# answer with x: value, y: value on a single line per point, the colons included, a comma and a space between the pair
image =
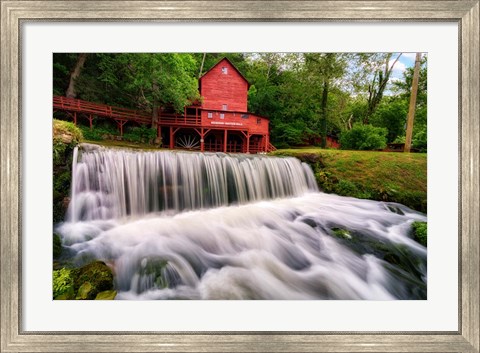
x: 385, y: 176
x: 123, y: 144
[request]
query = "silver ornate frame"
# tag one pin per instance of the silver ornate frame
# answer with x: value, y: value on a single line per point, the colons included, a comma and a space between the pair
x: 465, y: 13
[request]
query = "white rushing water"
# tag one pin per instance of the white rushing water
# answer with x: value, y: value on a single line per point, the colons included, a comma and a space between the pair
x: 287, y: 242
x: 113, y: 183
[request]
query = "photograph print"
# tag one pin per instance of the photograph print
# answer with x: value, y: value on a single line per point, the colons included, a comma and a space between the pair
x: 239, y: 176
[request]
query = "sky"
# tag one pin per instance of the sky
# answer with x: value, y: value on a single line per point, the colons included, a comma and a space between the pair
x: 406, y: 60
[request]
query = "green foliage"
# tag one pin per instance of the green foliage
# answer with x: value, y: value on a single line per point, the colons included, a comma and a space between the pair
x: 420, y: 232
x: 98, y: 133
x: 59, y: 149
x: 293, y: 134
x: 364, y: 137
x: 86, y: 282
x: 391, y: 114
x: 65, y: 137
x: 63, y: 284
x: 140, y: 134
x: 419, y: 140
x: 57, y: 246
x: 61, y: 127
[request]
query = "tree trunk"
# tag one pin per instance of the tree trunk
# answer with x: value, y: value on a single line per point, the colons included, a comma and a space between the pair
x: 155, y: 106
x: 323, y: 109
x: 71, y: 91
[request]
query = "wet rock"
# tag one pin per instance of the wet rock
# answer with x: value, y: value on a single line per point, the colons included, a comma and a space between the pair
x: 99, y: 277
x: 396, y: 209
x: 341, y: 233
x: 106, y: 295
x: 85, y: 291
x: 309, y: 221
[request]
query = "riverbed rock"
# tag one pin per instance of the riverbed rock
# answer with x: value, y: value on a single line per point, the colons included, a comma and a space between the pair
x: 98, y: 276
x: 106, y: 295
x: 85, y: 291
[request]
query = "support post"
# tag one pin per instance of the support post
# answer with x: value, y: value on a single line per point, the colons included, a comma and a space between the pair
x: 171, y: 138
x: 248, y: 142
x: 120, y: 125
x: 75, y: 118
x: 90, y: 120
x: 225, y: 142
x: 202, y: 140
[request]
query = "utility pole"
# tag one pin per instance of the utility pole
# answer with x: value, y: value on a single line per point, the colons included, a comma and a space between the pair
x: 413, y: 101
x: 201, y: 66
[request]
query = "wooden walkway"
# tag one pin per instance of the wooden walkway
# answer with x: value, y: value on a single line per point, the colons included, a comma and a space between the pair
x: 90, y: 110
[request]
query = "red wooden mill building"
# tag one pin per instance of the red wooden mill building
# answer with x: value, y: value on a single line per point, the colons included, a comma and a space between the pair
x: 221, y: 123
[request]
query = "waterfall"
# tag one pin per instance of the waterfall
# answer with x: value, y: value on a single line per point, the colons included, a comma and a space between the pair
x: 178, y: 225
x: 109, y: 183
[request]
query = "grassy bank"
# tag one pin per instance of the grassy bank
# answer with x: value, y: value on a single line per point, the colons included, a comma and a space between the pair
x: 383, y: 176
x: 122, y: 144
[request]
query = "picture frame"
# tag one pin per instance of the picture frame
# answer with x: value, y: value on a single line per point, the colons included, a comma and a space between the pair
x: 15, y: 339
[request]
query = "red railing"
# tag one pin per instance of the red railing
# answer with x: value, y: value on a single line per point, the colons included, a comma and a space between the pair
x: 81, y: 106
x: 271, y: 148
x: 177, y: 119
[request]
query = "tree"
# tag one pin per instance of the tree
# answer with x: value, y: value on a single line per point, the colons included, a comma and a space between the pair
x: 391, y: 114
x: 324, y: 69
x: 71, y: 91
x: 378, y: 84
x: 402, y: 90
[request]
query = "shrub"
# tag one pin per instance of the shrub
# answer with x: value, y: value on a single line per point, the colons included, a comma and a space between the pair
x: 61, y: 127
x: 98, y: 133
x: 65, y: 136
x: 140, y: 134
x: 419, y: 140
x: 364, y: 137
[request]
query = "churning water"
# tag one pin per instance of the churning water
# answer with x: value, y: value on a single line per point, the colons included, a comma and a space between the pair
x: 215, y: 226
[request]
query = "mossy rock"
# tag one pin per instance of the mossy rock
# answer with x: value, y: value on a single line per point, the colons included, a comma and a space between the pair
x: 162, y: 272
x: 341, y: 233
x: 419, y: 230
x: 86, y: 291
x: 97, y: 274
x: 106, y: 295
